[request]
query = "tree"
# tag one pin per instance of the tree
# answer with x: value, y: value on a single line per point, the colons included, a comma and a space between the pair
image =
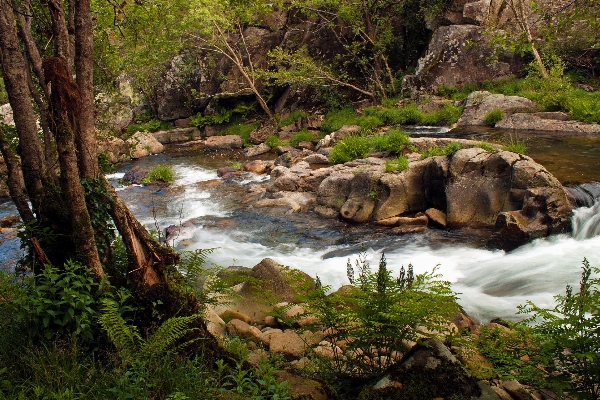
x: 58, y: 221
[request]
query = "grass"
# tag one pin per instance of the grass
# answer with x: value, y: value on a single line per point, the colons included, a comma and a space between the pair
x: 273, y: 141
x: 160, y: 173
x: 447, y: 150
x: 242, y: 129
x: 396, y: 165
x: 515, y: 145
x: 302, y: 136
x: 388, y: 114
x: 290, y: 119
x: 355, y: 147
x: 154, y: 125
x: 493, y: 117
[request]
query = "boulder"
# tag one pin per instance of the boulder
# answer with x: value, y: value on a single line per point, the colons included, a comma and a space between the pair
x: 114, y: 148
x: 177, y: 135
x: 305, y: 388
x: 456, y: 55
x: 547, y: 121
x: 236, y: 327
x: 6, y: 115
x: 135, y: 175
x: 227, y: 142
x: 143, y: 144
x: 363, y: 195
x: 279, y: 282
x: 427, y: 371
x: 227, y: 172
x: 288, y: 343
x: 436, y: 216
x: 256, y: 166
x: 480, y: 103
x: 260, y: 134
x: 254, y: 151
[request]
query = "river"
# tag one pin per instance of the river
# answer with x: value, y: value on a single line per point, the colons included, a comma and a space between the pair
x: 491, y: 283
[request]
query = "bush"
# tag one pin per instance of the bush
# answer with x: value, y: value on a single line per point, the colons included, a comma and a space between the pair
x: 160, y: 173
x: 290, y: 119
x: 351, y: 148
x: 379, y: 314
x: 447, y: 150
x: 396, y: 165
x: 571, y: 336
x: 302, y: 136
x: 334, y: 120
x: 493, y: 117
x: 154, y: 125
x: 242, y: 129
x: 273, y: 141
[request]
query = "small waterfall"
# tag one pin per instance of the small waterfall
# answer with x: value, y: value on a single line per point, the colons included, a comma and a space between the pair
x: 586, y: 219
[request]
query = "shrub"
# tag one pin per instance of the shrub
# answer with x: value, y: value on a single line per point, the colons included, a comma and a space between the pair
x: 63, y: 303
x: 222, y: 116
x: 396, y: 165
x: 242, y: 129
x: 570, y: 333
x: 160, y: 173
x: 379, y: 314
x: 273, y: 141
x: 154, y: 125
x: 447, y: 150
x: 290, y: 119
x: 302, y: 136
x: 493, y: 117
x: 351, y: 148
x: 447, y: 115
x: 334, y: 120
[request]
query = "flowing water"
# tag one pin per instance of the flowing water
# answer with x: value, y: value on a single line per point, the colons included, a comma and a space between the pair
x: 492, y: 283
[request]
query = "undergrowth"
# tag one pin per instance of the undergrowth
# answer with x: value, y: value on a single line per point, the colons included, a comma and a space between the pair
x: 356, y: 147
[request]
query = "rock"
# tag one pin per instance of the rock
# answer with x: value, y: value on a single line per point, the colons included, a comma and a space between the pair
x: 182, y: 122
x: 302, y: 388
x: 287, y: 343
x: 305, y: 145
x: 271, y: 321
x: 143, y: 144
x: 214, y: 324
x: 226, y: 172
x: 479, y: 104
x: 6, y: 115
x: 518, y: 391
x: 177, y: 135
x: 503, y: 394
x: 436, y: 216
x: 254, y: 151
x: 265, y: 336
x: 227, y: 142
x: 256, y: 166
x: 279, y: 282
x: 113, y: 148
x: 554, y: 122
x: 242, y: 329
x: 456, y: 55
x: 427, y: 371
x: 135, y: 175
x: 316, y: 159
x: 404, y: 221
x: 362, y: 198
x: 260, y: 134
x: 9, y: 221
x: 255, y: 357
x: 229, y: 315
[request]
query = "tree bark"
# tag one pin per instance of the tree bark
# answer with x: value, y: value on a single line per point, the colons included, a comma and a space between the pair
x: 62, y: 42
x: 146, y: 256
x: 85, y: 136
x: 14, y: 70
x: 65, y: 107
x: 14, y: 179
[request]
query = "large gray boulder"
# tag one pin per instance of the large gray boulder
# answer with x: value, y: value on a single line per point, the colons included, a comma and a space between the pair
x: 547, y: 121
x: 459, y: 54
x: 480, y: 103
x: 143, y: 144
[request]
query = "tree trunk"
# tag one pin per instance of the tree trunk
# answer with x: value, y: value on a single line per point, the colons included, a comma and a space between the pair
x: 62, y: 42
x: 146, y: 256
x: 14, y: 71
x: 14, y: 179
x: 85, y: 136
x: 65, y: 105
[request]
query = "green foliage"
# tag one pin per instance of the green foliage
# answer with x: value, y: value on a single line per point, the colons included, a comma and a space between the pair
x: 570, y: 334
x: 334, y: 120
x: 290, y: 119
x: 273, y: 141
x: 351, y: 148
x: 493, y: 117
x: 104, y: 163
x: 393, y: 141
x: 447, y: 150
x: 154, y: 125
x: 301, y: 136
x: 510, y: 352
x: 486, y: 146
x: 160, y: 173
x: 515, y: 145
x: 396, y: 165
x: 242, y: 129
x: 63, y: 303
x: 378, y: 314
x: 222, y: 116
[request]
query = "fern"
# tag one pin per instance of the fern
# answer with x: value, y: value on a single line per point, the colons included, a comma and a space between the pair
x: 132, y: 348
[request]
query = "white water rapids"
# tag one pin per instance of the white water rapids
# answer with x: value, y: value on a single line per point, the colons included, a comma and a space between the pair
x: 491, y: 283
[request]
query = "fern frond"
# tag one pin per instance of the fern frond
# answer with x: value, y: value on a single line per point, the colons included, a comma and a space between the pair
x: 167, y: 335
x: 125, y: 338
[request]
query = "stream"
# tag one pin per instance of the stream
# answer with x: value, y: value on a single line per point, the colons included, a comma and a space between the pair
x: 491, y: 283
